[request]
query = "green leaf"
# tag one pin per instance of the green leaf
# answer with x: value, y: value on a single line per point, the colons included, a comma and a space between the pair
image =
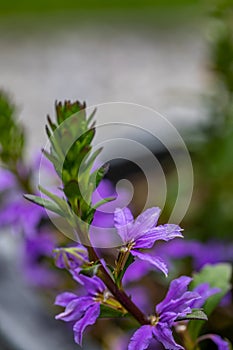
x: 91, y: 116
x: 91, y: 159
x: 90, y: 270
x: 55, y: 142
x: 98, y: 174
x: 63, y: 206
x: 219, y: 276
x: 197, y: 314
x: 59, y: 201
x: 71, y: 189
x: 88, y: 217
x: 50, y: 157
x: 51, y: 124
x: 108, y: 312
x: 103, y: 201
x: 86, y: 139
x: 67, y: 109
x: 44, y: 203
x: 12, y: 137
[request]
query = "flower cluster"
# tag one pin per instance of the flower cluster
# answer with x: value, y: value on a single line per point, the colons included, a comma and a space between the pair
x: 105, y: 279
x: 179, y: 302
x: 83, y: 310
x: 37, y: 240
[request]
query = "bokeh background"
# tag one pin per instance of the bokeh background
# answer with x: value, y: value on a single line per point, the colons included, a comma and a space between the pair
x: 151, y: 53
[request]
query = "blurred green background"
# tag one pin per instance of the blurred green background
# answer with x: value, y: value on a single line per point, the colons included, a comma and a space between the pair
x: 26, y: 6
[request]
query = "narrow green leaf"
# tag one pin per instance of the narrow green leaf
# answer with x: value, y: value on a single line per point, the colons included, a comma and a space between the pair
x: 56, y: 142
x: 55, y: 198
x: 108, y: 312
x: 103, y: 201
x: 61, y: 203
x: 53, y: 160
x: 91, y: 116
x: 98, y: 174
x: 48, y: 132
x: 44, y: 203
x: 90, y: 161
x: 51, y: 124
x: 197, y: 314
x: 90, y: 270
x: 86, y: 139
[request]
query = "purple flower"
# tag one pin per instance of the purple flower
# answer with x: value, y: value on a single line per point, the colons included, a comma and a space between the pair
x: 7, y: 179
x: 120, y: 342
x: 15, y: 211
x: 142, y: 233
x: 70, y: 257
x: 176, y: 304
x: 83, y: 310
x: 205, y: 291
x: 219, y: 341
x: 21, y: 216
x: 36, y: 251
x: 210, y: 252
x: 136, y: 271
x: 104, y: 215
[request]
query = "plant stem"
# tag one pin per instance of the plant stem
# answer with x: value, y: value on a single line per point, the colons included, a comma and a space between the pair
x: 188, y: 343
x: 119, y: 294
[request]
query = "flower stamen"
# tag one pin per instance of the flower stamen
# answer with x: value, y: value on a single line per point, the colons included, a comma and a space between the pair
x: 153, y: 319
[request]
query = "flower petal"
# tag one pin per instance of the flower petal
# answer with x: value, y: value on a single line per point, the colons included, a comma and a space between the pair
x: 64, y: 299
x: 88, y: 319
x: 144, y: 222
x: 180, y: 306
x: 123, y: 220
x: 163, y: 232
x: 219, y: 341
x: 155, y: 261
x: 76, y: 275
x: 75, y: 309
x: 205, y: 291
x: 176, y: 289
x: 164, y: 335
x: 141, y: 338
x: 7, y: 179
x: 94, y: 285
x: 70, y: 257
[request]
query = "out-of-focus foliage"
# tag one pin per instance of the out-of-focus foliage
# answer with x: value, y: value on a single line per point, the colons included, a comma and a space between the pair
x: 210, y: 274
x: 26, y: 6
x: 11, y: 134
x: 211, y: 213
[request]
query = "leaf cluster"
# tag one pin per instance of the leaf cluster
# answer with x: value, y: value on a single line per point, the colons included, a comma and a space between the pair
x: 12, y: 136
x: 71, y: 153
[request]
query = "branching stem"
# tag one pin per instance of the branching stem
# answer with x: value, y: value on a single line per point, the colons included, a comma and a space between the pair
x: 119, y: 294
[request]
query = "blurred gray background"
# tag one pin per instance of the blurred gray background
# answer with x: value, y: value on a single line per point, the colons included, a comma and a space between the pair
x: 154, y: 58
